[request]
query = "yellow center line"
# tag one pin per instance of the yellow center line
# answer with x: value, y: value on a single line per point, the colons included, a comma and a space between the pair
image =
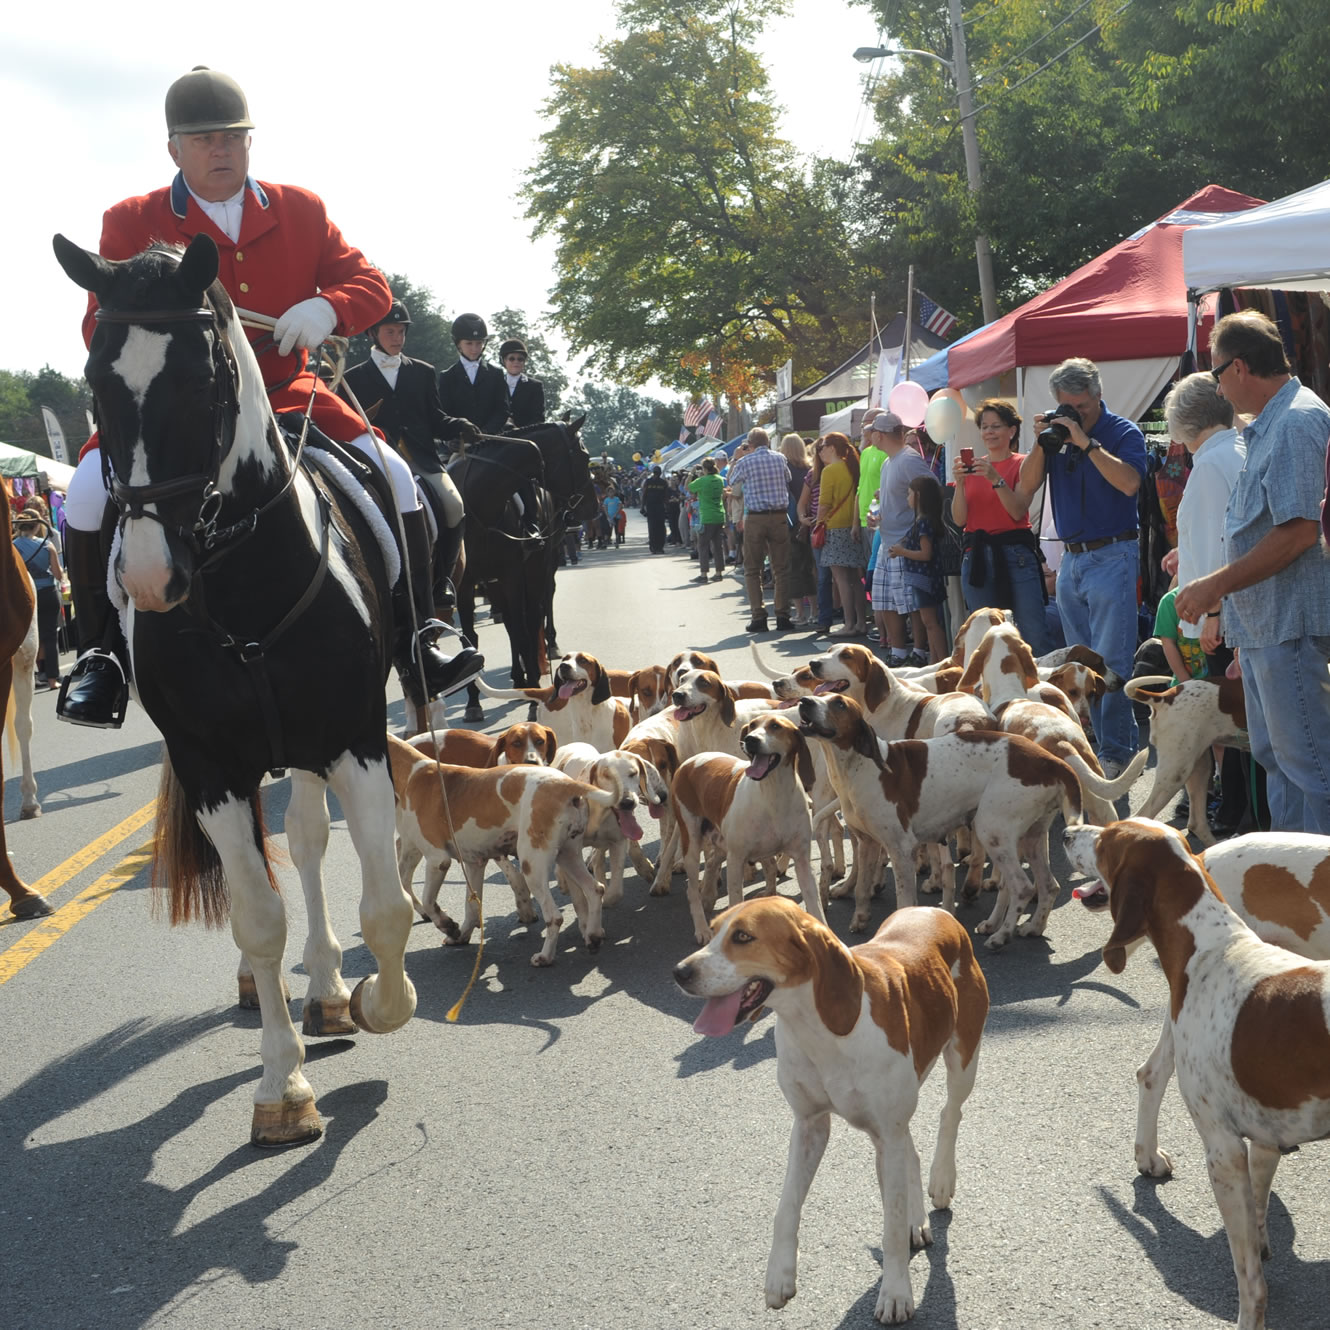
x: 76, y: 863
x: 55, y: 926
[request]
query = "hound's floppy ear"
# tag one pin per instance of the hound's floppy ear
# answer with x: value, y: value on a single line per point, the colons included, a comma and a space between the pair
x: 865, y: 743
x: 635, y: 684
x: 82, y: 267
x: 877, y: 685
x: 803, y: 760
x: 1097, y: 685
x: 1129, y: 893
x: 496, y: 752
x: 974, y: 671
x: 728, y: 697
x: 600, y: 687
x: 551, y: 743
x: 1025, y: 660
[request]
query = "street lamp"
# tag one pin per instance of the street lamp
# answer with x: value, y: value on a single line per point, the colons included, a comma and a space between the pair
x: 960, y: 75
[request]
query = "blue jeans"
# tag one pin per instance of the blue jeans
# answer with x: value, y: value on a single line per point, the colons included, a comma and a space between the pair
x: 1097, y: 603
x: 1026, y: 575
x: 1288, y: 721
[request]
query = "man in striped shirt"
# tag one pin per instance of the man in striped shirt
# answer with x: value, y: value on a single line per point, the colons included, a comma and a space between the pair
x: 764, y: 477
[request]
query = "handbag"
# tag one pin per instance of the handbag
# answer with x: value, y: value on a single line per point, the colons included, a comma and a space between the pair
x: 818, y: 537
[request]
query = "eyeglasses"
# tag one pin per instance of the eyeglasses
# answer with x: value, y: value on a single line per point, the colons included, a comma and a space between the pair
x: 1219, y: 369
x: 513, y: 355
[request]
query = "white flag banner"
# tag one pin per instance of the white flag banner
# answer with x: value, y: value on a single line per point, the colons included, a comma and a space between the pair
x: 785, y: 381
x: 56, y: 436
x: 888, y: 371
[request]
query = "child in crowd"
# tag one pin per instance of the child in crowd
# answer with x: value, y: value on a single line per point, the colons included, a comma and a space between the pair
x: 1185, y: 655
x: 923, y: 575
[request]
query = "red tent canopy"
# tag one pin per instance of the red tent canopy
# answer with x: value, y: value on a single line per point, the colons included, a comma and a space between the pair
x: 1129, y: 303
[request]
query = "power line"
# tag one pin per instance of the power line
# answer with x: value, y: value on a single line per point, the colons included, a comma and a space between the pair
x: 1037, y: 41
x: 968, y: 19
x: 1048, y: 63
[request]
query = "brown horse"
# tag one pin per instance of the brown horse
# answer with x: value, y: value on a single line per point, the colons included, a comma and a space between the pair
x: 17, y: 606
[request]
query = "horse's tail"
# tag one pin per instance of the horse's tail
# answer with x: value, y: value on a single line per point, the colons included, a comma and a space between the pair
x: 185, y: 863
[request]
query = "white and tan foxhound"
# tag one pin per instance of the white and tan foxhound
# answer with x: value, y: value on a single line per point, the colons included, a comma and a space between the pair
x: 857, y: 1032
x: 578, y: 706
x: 911, y: 792
x: 742, y: 810
x: 533, y: 812
x: 1249, y: 1021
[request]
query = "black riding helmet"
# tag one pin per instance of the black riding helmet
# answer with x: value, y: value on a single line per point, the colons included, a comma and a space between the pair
x: 469, y: 327
x: 397, y: 313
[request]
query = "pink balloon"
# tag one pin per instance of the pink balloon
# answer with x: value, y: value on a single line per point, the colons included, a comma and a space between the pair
x: 909, y: 401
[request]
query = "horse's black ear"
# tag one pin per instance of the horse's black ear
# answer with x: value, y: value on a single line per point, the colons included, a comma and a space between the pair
x: 82, y: 267
x: 577, y: 424
x: 198, y: 269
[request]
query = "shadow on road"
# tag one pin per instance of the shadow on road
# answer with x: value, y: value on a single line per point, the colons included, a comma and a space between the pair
x: 137, y: 1250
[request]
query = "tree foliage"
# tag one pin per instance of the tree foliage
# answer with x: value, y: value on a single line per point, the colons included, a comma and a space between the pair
x: 622, y: 422
x: 693, y: 244
x: 22, y: 396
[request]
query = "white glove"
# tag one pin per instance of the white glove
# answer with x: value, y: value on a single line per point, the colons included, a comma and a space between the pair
x: 305, y: 325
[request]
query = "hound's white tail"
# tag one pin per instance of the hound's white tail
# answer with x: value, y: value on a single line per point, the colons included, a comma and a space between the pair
x: 1100, y: 785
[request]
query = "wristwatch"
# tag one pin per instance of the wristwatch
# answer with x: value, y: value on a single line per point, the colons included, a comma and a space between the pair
x: 999, y: 484
x: 1093, y: 445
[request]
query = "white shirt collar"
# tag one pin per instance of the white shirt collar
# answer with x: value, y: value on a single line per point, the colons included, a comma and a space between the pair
x: 470, y: 366
x: 226, y: 215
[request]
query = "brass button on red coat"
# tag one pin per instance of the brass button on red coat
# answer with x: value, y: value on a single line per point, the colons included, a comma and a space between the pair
x: 244, y: 286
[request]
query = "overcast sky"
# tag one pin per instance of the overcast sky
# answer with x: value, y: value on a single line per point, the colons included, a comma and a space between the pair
x: 82, y: 88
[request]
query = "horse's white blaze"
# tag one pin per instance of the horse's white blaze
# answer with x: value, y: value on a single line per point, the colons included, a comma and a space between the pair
x: 140, y: 361
x: 250, y: 445
x: 337, y: 564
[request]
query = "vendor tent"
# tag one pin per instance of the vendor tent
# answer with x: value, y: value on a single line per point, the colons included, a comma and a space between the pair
x: 1126, y: 309
x: 1281, y: 245
x: 19, y: 462
x: 850, y: 382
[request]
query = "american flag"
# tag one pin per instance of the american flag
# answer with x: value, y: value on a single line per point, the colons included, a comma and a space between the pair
x: 683, y: 435
x: 711, y: 430
x: 697, y: 412
x: 933, y: 317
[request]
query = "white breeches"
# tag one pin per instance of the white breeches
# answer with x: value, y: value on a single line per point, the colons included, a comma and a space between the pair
x: 86, y: 497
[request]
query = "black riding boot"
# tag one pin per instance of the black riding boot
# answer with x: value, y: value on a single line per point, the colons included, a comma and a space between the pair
x: 443, y: 674
x: 445, y: 560
x: 95, y: 691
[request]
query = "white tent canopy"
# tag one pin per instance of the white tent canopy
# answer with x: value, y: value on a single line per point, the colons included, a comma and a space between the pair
x: 1280, y: 245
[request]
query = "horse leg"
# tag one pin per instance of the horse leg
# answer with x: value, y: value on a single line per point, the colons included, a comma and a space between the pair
x: 327, y: 999
x: 466, y: 609
x: 384, y: 1001
x: 24, y: 903
x: 25, y: 663
x: 284, y: 1112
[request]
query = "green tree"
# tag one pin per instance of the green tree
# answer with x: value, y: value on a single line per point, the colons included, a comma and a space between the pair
x: 22, y: 396
x: 621, y: 422
x: 543, y: 363
x: 693, y: 245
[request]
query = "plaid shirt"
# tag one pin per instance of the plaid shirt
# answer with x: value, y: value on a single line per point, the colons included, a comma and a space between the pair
x: 765, y: 478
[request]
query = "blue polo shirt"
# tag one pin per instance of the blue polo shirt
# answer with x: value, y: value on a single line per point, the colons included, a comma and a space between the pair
x: 1085, y: 505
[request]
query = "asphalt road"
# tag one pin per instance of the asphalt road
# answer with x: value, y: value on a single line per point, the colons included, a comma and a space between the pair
x: 568, y: 1154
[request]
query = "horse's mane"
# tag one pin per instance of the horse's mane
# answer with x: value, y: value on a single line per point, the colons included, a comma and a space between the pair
x: 162, y: 258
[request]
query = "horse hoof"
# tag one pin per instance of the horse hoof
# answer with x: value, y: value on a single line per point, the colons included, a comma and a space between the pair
x: 292, y: 1122
x: 357, y: 1008
x: 31, y: 906
x: 27, y: 814
x: 326, y: 1017
x: 474, y: 715
x: 248, y: 999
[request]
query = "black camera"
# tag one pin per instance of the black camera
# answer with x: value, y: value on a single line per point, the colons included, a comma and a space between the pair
x: 1053, y: 437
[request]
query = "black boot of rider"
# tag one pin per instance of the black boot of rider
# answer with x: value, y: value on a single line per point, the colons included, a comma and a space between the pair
x: 95, y: 692
x: 445, y: 560
x: 414, y: 649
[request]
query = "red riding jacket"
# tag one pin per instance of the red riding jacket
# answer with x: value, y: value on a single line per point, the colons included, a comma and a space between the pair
x: 288, y: 251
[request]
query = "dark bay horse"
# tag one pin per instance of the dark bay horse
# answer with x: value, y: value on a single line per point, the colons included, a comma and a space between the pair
x: 258, y: 616
x: 517, y: 571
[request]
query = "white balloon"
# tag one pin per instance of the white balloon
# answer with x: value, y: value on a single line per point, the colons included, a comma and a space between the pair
x: 943, y: 419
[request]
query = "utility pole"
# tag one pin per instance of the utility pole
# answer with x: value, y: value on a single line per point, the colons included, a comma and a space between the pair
x: 961, y: 73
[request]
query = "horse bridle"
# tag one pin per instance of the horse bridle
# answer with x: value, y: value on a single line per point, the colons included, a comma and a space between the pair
x: 131, y: 500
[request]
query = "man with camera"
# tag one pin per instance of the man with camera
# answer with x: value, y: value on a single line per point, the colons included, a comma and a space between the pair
x: 1093, y: 462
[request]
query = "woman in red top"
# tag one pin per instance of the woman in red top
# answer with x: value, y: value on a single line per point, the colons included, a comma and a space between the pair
x: 1002, y: 566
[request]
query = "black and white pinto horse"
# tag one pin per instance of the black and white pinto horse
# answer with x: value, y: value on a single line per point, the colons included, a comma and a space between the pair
x: 259, y: 626
x: 517, y: 571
